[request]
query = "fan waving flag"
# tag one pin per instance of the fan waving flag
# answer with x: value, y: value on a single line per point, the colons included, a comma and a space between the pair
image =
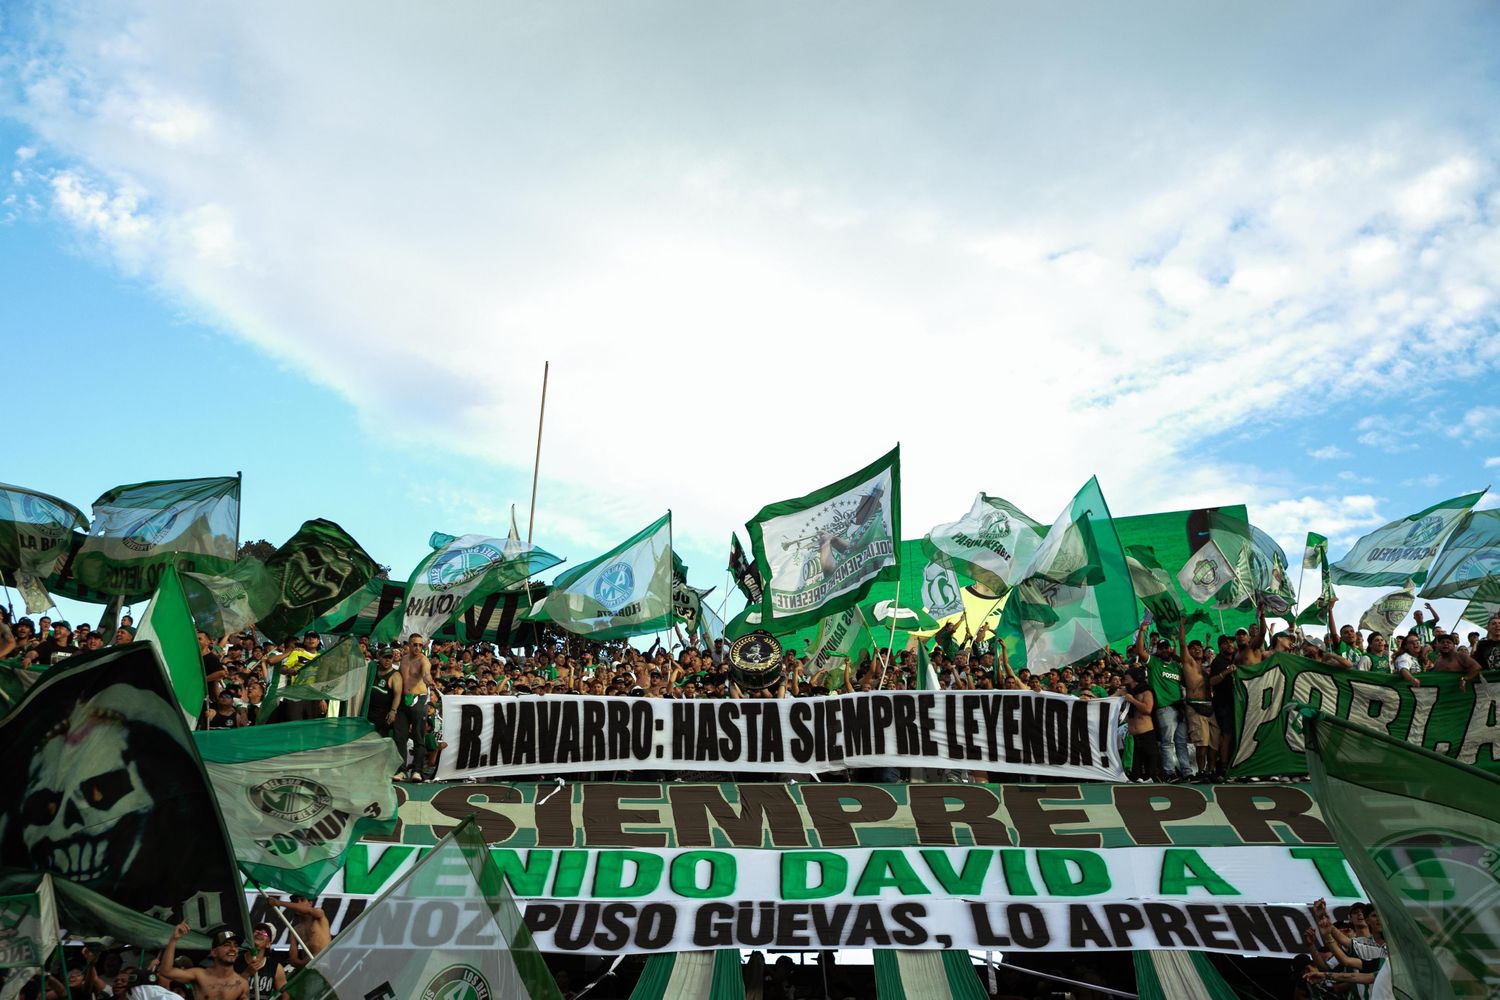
x: 1419, y: 830
x: 820, y: 553
x: 460, y: 571
x: 446, y: 930
x: 295, y: 795
x: 625, y: 592
x: 1404, y: 549
x: 340, y: 673
x: 138, y: 529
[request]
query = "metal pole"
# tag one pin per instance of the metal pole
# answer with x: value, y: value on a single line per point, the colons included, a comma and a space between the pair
x: 537, y: 463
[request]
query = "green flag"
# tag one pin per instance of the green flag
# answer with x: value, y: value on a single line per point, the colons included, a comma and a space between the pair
x: 86, y: 913
x: 15, y: 681
x: 296, y: 795
x: 991, y: 544
x: 28, y: 927
x: 1154, y: 587
x: 168, y: 625
x: 309, y: 573
x: 925, y: 974
x: 460, y: 571
x: 627, y: 591
x: 139, y: 529
x: 220, y: 604
x: 1076, y: 596
x: 1388, y: 612
x: 840, y: 640
x: 1170, y: 975
x: 339, y: 673
x: 1404, y: 549
x: 34, y: 530
x: 1471, y: 556
x: 1315, y: 557
x: 1270, y: 580
x: 1484, y: 605
x: 1419, y: 832
x: 817, y: 554
x: 404, y: 947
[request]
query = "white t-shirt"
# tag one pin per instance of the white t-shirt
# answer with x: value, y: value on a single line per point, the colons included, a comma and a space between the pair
x: 1405, y: 661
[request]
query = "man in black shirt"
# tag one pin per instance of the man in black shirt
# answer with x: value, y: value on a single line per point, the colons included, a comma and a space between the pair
x: 1487, y: 650
x: 1221, y: 687
x: 56, y: 647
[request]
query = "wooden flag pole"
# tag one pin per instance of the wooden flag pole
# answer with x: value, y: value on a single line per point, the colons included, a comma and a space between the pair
x: 891, y: 645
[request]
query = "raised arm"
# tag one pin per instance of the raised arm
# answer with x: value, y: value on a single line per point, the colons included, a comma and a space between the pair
x: 166, y: 966
x: 1139, y: 649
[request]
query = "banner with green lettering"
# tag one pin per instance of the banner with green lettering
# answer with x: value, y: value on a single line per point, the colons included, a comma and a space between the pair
x: 1443, y: 714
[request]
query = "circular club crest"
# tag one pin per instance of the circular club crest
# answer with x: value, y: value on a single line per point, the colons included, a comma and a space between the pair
x: 1424, y: 530
x: 755, y: 660
x: 146, y: 533
x: 457, y: 982
x: 1204, y: 572
x: 614, y: 585
x: 291, y: 800
x: 461, y: 565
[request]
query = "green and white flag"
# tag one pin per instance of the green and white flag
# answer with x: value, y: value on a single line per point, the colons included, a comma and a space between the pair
x: 625, y: 592
x: 1387, y: 613
x: 446, y: 930
x: 340, y: 673
x: 1315, y: 557
x: 1076, y: 596
x: 817, y: 554
x: 1154, y: 587
x: 840, y: 640
x: 168, y: 625
x: 942, y: 594
x: 139, y: 529
x: 1179, y: 975
x: 1404, y: 549
x: 992, y: 543
x: 34, y: 593
x: 1471, y: 556
x: 296, y: 795
x: 1419, y: 832
x: 1206, y: 573
x: 35, y: 529
x: 710, y: 974
x: 220, y: 604
x: 309, y: 573
x: 1484, y: 605
x: 460, y: 571
x: 28, y: 927
x: 1271, y: 582
x: 929, y: 975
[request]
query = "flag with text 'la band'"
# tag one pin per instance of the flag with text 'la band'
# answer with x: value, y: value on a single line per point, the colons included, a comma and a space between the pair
x: 460, y: 571
x: 1469, y: 558
x: 1420, y: 832
x: 168, y: 625
x: 295, y: 795
x: 34, y: 530
x: 140, y: 528
x: 1076, y: 596
x: 625, y: 592
x: 817, y: 554
x: 484, y: 953
x: 992, y: 543
x: 1402, y: 550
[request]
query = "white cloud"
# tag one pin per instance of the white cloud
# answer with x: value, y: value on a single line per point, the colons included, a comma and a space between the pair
x: 1492, y: 462
x: 1476, y: 422
x: 1428, y: 481
x: 1328, y: 453
x: 1341, y: 519
x: 747, y: 245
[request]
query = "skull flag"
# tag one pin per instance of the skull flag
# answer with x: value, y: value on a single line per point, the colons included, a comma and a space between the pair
x: 108, y: 792
x: 312, y: 571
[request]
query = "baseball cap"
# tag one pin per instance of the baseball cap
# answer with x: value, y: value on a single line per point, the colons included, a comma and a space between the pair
x: 226, y: 937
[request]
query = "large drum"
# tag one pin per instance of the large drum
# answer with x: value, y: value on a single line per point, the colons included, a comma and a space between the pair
x: 755, y: 661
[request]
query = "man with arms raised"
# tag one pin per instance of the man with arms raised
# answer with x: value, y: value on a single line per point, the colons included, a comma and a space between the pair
x: 310, y: 926
x: 219, y: 981
x: 416, y: 682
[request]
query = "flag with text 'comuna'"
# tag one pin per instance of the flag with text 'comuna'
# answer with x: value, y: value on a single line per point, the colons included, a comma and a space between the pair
x: 460, y: 571
x: 818, y: 554
x: 168, y: 625
x: 295, y: 795
x: 35, y: 530
x: 625, y: 592
x: 446, y: 930
x: 140, y: 528
x: 1315, y: 558
x: 105, y: 790
x: 340, y: 673
x: 1076, y: 596
x: 992, y: 544
x: 1388, y: 612
x: 1470, y: 557
x: 1420, y: 832
x: 309, y: 573
x: 1402, y: 550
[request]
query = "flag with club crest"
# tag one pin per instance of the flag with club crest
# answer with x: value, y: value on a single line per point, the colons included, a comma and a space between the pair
x: 625, y: 592
x: 991, y: 544
x: 138, y: 529
x: 309, y: 573
x: 819, y: 553
x: 1389, y: 611
x: 35, y: 531
x: 295, y: 795
x: 1419, y: 830
x: 1470, y: 557
x: 1402, y: 550
x: 1270, y: 580
x: 460, y: 571
x: 403, y: 946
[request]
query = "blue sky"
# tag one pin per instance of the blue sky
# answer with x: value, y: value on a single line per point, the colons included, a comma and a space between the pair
x: 1211, y: 255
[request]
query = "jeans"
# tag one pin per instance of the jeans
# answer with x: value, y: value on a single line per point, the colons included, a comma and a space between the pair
x: 1171, y: 727
x: 416, y: 724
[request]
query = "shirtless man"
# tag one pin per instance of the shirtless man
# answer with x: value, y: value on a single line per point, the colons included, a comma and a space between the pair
x: 217, y: 982
x: 1200, y: 707
x: 416, y: 682
x: 1453, y: 660
x: 311, y: 925
x: 1250, y: 648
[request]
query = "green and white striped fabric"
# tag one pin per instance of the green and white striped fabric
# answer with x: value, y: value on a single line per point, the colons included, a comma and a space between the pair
x: 926, y: 975
x: 692, y: 975
x: 1179, y: 975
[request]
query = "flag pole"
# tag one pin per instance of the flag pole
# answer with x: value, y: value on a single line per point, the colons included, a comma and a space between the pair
x: 895, y: 611
x: 239, y: 497
x: 536, y: 465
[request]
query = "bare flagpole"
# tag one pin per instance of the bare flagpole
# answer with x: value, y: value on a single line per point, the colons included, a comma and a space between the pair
x: 536, y: 466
